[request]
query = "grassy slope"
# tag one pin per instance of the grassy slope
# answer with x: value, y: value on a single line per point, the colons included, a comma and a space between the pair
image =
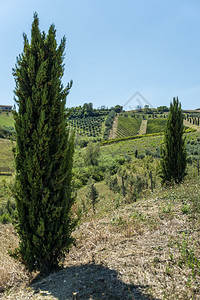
x: 150, y: 247
x: 6, y: 156
x: 129, y: 146
x: 6, y: 120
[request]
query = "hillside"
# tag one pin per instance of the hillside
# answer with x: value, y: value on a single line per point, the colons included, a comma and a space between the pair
x: 89, y: 123
x: 144, y: 250
x: 141, y: 245
x: 128, y: 125
x: 6, y: 119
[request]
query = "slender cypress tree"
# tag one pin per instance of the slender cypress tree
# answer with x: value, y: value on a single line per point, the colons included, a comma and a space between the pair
x: 44, y: 152
x: 173, y: 153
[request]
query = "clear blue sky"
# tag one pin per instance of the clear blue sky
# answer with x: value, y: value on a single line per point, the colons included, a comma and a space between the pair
x: 114, y: 48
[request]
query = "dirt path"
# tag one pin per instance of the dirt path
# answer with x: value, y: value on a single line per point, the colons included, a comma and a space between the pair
x: 143, y: 127
x: 188, y: 124
x: 113, y: 131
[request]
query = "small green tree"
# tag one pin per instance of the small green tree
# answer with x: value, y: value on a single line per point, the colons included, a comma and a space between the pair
x: 92, y: 193
x: 92, y: 154
x: 173, y: 153
x: 44, y: 152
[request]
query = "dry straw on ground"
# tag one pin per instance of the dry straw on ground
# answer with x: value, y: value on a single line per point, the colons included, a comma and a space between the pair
x: 133, y: 254
x: 11, y: 272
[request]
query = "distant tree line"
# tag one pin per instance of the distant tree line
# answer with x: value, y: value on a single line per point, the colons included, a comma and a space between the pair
x: 87, y: 110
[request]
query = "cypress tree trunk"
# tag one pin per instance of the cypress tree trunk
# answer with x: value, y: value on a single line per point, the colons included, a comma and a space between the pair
x: 44, y: 152
x: 173, y: 153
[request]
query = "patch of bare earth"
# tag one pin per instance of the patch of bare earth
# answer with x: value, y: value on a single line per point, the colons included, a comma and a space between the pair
x: 143, y: 127
x: 11, y: 272
x: 113, y: 131
x: 132, y: 255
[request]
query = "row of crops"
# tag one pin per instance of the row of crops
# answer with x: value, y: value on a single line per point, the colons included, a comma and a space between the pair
x: 193, y: 150
x: 195, y: 120
x: 156, y: 125
x: 88, y: 126
x: 128, y: 126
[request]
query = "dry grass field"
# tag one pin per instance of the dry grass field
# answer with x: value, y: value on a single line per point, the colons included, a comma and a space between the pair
x: 144, y: 250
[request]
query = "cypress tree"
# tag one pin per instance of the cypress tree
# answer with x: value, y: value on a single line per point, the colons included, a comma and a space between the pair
x: 43, y: 153
x: 173, y: 153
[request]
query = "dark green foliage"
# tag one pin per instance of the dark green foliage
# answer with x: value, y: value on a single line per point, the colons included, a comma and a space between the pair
x: 86, y: 110
x: 118, y: 108
x: 141, y: 156
x: 112, y: 183
x: 134, y: 186
x: 7, y: 132
x: 44, y: 152
x: 173, y: 153
x: 162, y: 109
x: 7, y: 211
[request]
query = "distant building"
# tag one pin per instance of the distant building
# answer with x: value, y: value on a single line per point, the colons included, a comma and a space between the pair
x: 6, y: 108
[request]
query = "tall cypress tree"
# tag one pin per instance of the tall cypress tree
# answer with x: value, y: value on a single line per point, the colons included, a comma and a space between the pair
x: 44, y: 152
x: 173, y: 153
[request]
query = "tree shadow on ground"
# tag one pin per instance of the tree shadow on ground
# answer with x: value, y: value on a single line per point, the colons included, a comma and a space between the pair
x: 89, y: 281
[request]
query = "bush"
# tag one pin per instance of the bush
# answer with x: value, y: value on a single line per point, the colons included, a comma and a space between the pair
x: 8, y: 211
x: 92, y: 154
x: 190, y: 159
x: 135, y: 185
x: 109, y: 163
x: 5, y: 218
x: 112, y: 183
x: 120, y: 160
x: 7, y: 132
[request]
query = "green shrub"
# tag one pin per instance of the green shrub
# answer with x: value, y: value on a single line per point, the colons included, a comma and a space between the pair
x: 7, y: 211
x: 5, y: 218
x: 92, y: 193
x: 112, y: 183
x: 92, y: 154
x: 134, y: 186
